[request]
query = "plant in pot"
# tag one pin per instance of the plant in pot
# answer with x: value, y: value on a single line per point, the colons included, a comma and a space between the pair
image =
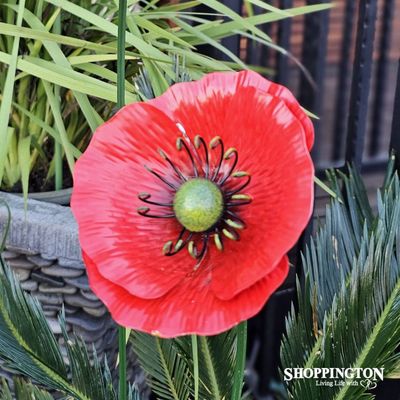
x: 58, y: 60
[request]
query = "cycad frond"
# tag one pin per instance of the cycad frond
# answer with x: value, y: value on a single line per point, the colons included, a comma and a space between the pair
x: 166, y: 365
x: 23, y: 391
x: 217, y: 361
x: 145, y: 86
x: 28, y: 346
x: 27, y: 391
x: 5, y: 393
x: 169, y: 365
x: 349, y: 306
x: 89, y: 378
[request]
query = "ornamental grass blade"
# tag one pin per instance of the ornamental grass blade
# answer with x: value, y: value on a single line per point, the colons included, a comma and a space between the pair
x: 93, y: 118
x: 24, y: 157
x: 28, y: 33
x: 226, y: 28
x: 58, y: 120
x: 7, y: 95
x: 349, y: 306
x: 109, y: 27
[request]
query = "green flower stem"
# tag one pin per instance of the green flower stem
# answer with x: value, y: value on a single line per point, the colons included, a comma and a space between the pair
x: 121, y: 53
x: 121, y: 103
x: 240, y: 361
x: 195, y: 353
x: 122, y: 363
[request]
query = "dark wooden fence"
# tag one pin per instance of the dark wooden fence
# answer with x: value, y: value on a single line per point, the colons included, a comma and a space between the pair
x: 351, y: 54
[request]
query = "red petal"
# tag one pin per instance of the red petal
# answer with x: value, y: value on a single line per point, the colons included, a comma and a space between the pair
x: 271, y: 145
x: 225, y: 84
x: 271, y: 141
x: 189, y: 308
x: 282, y: 192
x: 127, y: 247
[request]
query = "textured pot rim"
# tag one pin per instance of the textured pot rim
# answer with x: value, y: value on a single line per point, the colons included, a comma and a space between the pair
x: 61, y: 197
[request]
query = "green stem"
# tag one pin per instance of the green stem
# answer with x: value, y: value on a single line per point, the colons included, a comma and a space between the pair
x: 195, y: 352
x: 58, y: 165
x: 122, y: 363
x: 240, y: 361
x: 121, y: 103
x: 121, y: 53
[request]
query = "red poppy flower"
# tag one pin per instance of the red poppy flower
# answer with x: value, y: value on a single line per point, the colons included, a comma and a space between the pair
x: 187, y: 204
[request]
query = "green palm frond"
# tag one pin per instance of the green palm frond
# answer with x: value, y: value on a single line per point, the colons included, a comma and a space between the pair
x: 5, y: 392
x: 165, y: 364
x: 28, y: 346
x: 24, y: 390
x: 87, y: 377
x: 217, y: 358
x: 169, y: 365
x: 27, y: 391
x: 349, y: 305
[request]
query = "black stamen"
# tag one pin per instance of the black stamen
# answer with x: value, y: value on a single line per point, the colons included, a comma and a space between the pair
x: 203, y: 251
x: 183, y: 244
x: 228, y: 225
x: 161, y: 178
x: 239, y: 203
x: 215, y: 142
x: 229, y: 153
x: 146, y: 196
x: 144, y: 211
x: 240, y: 188
x: 174, y: 167
x: 230, y: 233
x: 179, y: 143
x: 199, y: 141
x: 235, y: 216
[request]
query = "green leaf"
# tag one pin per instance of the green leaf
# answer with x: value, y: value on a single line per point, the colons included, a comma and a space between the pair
x: 237, y: 19
x: 27, y: 391
x: 350, y: 301
x: 55, y: 107
x: 227, y: 28
x: 4, y: 390
x: 28, y: 33
x: 28, y: 346
x: 156, y: 31
x: 108, y: 27
x: 59, y: 58
x: 24, y: 157
x: 46, y: 127
x: 5, y: 106
x: 65, y: 77
x: 165, y: 364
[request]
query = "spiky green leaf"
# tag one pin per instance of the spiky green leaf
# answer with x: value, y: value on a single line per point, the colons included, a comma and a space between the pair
x: 349, y: 305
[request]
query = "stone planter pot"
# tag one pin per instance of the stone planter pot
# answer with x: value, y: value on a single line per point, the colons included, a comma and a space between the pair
x: 43, y: 249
